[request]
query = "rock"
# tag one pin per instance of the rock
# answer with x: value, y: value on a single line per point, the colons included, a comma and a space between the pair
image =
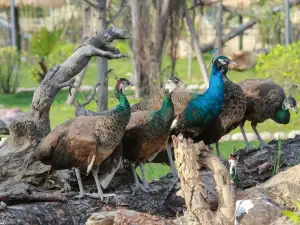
x: 255, y: 211
x: 10, y: 115
x: 244, y: 59
x: 284, y: 187
x: 266, y: 135
x: 293, y: 133
x: 280, y: 135
x: 282, y: 221
x: 125, y: 217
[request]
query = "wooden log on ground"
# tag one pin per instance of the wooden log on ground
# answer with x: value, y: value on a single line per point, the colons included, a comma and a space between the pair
x: 190, y: 158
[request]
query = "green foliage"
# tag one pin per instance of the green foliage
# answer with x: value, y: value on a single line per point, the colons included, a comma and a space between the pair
x: 294, y: 216
x: 277, y: 157
x: 9, y: 70
x: 282, y: 64
x: 123, y: 46
x: 46, y: 51
x: 44, y: 42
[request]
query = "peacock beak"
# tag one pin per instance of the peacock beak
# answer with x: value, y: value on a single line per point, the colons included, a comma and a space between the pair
x: 295, y: 109
x: 232, y: 62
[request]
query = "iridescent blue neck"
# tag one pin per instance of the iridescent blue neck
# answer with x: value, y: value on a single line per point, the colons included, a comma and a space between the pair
x: 216, y: 83
x: 167, y: 108
x: 123, y: 102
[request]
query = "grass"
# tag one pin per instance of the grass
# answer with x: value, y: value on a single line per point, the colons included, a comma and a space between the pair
x: 123, y: 67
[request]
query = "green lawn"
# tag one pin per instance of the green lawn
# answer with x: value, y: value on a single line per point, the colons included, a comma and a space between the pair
x: 60, y: 111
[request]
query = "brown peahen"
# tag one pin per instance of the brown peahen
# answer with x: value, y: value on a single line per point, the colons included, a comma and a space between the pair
x: 180, y: 97
x: 147, y: 133
x: 265, y: 100
x: 85, y: 142
x: 232, y: 113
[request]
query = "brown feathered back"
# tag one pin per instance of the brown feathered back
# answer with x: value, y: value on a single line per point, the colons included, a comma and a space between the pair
x: 180, y: 98
x: 263, y: 97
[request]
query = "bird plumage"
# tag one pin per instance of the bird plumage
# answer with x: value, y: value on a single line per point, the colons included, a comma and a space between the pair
x: 85, y: 142
x: 265, y: 100
x: 232, y: 113
x: 147, y: 132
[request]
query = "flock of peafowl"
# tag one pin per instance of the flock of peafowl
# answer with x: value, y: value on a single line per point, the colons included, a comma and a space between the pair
x: 139, y: 132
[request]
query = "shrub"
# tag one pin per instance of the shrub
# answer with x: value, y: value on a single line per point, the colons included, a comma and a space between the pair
x: 282, y: 64
x: 9, y: 70
x: 46, y: 51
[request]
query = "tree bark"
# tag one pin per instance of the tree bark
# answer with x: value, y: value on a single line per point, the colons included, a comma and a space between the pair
x: 219, y: 15
x: 86, y: 32
x: 196, y: 42
x: 102, y: 63
x: 147, y: 53
x: 190, y: 158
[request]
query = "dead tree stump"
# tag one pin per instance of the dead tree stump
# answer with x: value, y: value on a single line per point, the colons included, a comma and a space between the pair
x: 190, y: 158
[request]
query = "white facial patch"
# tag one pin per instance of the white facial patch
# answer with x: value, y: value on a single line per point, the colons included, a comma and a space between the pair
x: 174, y: 124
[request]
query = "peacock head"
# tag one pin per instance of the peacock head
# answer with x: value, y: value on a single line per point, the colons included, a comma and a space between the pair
x: 122, y: 84
x: 221, y: 63
x: 172, y: 83
x: 290, y: 103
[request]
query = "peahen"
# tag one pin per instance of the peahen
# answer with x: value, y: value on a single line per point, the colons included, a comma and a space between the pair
x: 147, y: 133
x: 85, y: 142
x: 265, y: 100
x: 232, y: 113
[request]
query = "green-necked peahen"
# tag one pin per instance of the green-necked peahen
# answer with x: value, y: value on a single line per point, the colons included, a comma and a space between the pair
x: 232, y: 113
x: 85, y: 142
x: 147, y: 133
x: 265, y: 100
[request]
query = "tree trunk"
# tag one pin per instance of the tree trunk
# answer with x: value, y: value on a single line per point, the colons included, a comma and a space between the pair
x: 102, y: 64
x: 190, y: 158
x: 86, y: 31
x: 219, y: 15
x: 147, y: 54
x: 197, y: 47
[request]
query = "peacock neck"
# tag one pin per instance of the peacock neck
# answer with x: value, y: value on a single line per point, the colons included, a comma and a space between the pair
x: 216, y: 84
x: 123, y: 102
x: 167, y: 108
x: 282, y: 116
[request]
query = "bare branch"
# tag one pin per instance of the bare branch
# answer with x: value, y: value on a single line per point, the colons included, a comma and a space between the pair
x: 202, y: 3
x: 91, y: 96
x: 236, y: 31
x: 94, y: 5
x: 123, y: 4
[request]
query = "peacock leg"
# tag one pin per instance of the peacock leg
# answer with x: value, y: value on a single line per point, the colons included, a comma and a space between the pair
x: 248, y: 146
x: 173, y: 169
x: 100, y: 192
x: 262, y: 143
x: 137, y: 183
x: 81, y: 191
x: 146, y: 185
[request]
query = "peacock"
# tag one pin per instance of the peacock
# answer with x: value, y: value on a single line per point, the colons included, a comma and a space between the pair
x: 232, y: 113
x: 180, y: 96
x: 85, y: 142
x: 147, y: 133
x: 265, y: 100
x: 202, y: 108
